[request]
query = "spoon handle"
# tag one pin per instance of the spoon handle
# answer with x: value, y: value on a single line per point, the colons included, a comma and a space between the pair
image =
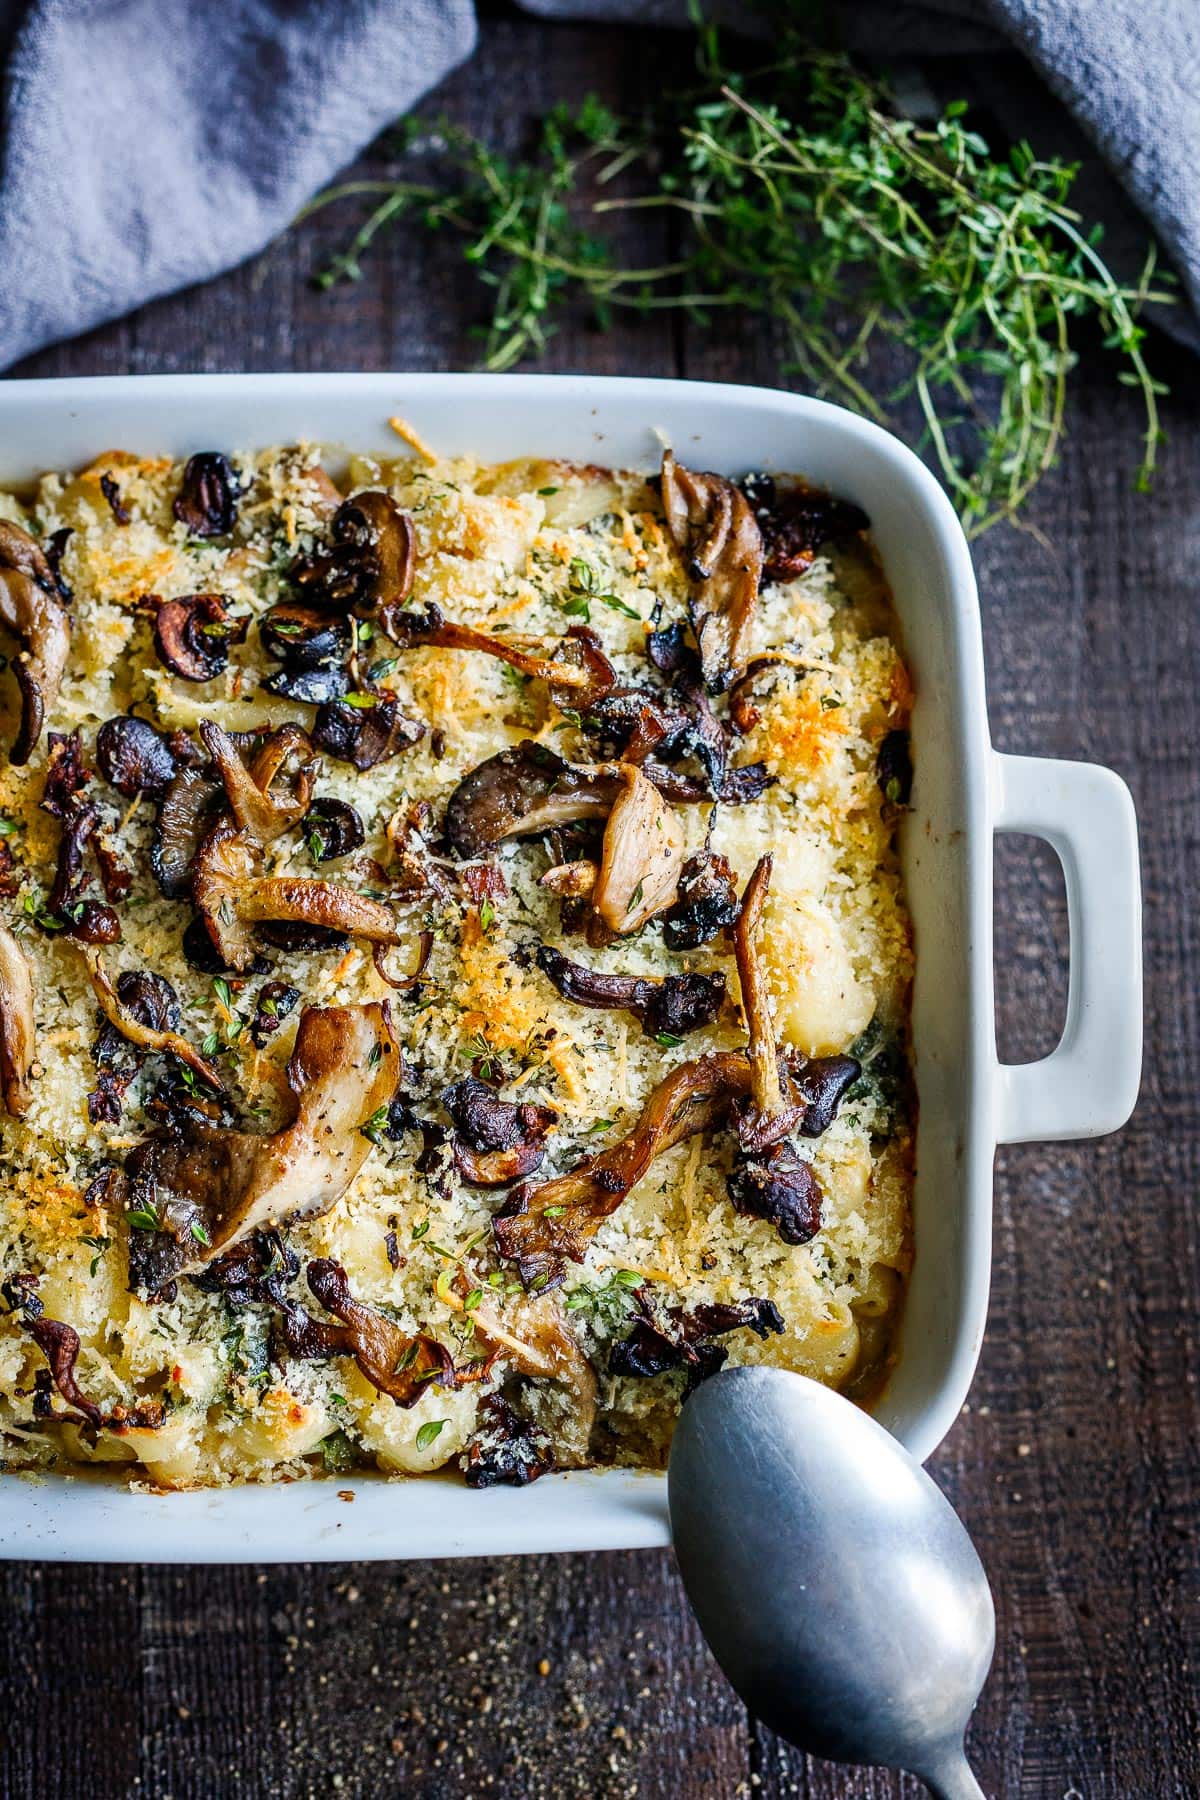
x: 952, y: 1778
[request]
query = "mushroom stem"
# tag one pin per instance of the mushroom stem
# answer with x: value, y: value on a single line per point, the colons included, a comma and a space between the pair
x: 146, y: 1037
x: 765, y: 1086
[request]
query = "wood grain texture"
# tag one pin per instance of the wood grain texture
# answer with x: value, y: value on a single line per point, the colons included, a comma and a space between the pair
x: 1075, y: 1463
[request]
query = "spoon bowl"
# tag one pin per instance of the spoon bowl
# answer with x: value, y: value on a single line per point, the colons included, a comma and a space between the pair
x: 834, y: 1582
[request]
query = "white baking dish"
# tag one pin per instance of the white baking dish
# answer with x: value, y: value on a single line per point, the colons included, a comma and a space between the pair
x: 964, y: 792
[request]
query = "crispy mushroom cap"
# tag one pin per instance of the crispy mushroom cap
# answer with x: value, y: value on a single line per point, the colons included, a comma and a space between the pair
x: 642, y: 856
x: 32, y: 609
x: 16, y: 1025
x: 720, y: 543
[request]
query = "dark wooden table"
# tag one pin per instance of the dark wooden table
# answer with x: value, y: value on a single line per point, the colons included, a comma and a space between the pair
x: 1074, y: 1464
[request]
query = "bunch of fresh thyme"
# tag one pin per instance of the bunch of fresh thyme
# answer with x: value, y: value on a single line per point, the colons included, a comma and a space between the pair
x: 807, y: 200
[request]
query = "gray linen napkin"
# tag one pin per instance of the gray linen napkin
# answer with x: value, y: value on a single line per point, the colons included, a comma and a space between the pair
x: 147, y: 144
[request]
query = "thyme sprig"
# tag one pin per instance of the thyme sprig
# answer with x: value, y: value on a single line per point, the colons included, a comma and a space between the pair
x: 808, y: 200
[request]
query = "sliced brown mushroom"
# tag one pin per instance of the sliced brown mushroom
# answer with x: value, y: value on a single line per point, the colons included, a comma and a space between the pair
x: 208, y: 495
x: 146, y: 1037
x: 314, y: 645
x: 398, y: 1365
x: 260, y: 808
x: 135, y: 757
x: 17, y: 1041
x: 192, y: 635
x: 642, y: 857
x: 212, y: 1187
x: 367, y: 566
x: 541, y: 1231
x: 669, y: 1006
x: 720, y: 543
x: 31, y: 608
x: 231, y: 894
x: 522, y: 792
x: 579, y: 672
x: 365, y: 729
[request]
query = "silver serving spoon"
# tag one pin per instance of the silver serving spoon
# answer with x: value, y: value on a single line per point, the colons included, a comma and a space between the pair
x: 835, y: 1584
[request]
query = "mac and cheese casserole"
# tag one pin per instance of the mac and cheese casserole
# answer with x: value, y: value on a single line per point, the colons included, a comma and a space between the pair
x: 454, y: 967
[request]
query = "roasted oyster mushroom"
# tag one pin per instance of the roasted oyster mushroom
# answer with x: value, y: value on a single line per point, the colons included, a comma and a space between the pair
x: 393, y: 1362
x: 642, y: 856
x: 666, y: 1006
x: 210, y: 1187
x: 192, y: 801
x: 271, y: 792
x: 132, y: 1025
x: 31, y: 608
x: 522, y: 792
x: 16, y: 1026
x: 544, y: 1229
x: 231, y: 895
x: 718, y: 538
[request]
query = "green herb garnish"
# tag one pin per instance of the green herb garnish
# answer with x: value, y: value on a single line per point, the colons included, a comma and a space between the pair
x: 428, y: 1432
x: 807, y: 200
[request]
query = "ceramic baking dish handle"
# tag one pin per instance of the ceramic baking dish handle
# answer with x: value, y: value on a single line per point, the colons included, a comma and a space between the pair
x: 1089, y: 1084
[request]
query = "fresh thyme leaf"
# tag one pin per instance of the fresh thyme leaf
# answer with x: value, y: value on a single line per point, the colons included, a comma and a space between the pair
x: 200, y: 1234
x: 144, y: 1218
x: 807, y: 200
x: 99, y: 1245
x: 374, y: 1127
x: 606, y: 1304
x: 620, y: 606
x: 428, y: 1432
